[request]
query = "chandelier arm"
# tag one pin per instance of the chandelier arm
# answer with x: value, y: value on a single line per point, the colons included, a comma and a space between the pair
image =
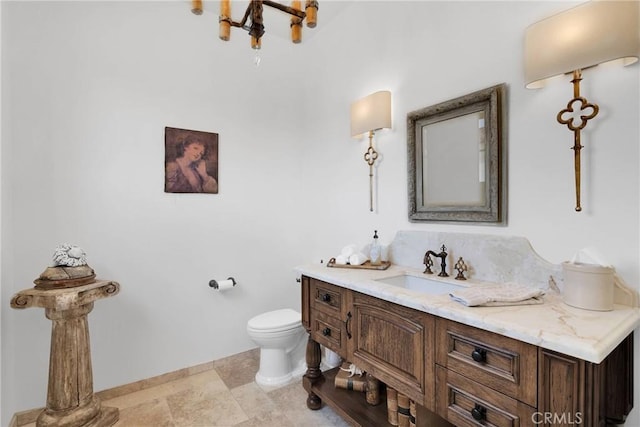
x: 257, y: 27
x: 242, y: 23
x: 291, y: 11
x: 254, y: 15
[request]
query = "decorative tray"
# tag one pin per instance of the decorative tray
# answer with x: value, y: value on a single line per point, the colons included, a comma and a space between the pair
x: 366, y: 266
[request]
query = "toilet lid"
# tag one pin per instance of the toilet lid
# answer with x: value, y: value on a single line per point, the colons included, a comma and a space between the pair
x: 285, y: 318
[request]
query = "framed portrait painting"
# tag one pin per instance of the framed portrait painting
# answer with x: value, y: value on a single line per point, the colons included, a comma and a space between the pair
x: 191, y: 161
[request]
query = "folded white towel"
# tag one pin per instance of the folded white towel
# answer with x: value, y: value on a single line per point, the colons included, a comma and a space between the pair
x: 349, y: 250
x: 342, y: 260
x: 498, y: 295
x: 358, y: 258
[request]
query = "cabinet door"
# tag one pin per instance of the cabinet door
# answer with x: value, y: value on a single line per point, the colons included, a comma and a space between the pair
x: 565, y: 388
x: 394, y: 344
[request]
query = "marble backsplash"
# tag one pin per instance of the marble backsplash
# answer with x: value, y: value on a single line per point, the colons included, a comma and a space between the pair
x: 491, y: 258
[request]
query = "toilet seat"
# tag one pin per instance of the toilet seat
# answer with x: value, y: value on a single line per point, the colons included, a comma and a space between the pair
x: 276, y: 321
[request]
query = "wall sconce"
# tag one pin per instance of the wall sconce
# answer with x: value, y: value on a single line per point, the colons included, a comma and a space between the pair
x: 370, y: 114
x: 576, y: 39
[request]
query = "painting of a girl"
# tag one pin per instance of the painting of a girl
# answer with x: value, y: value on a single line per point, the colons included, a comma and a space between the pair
x: 191, y: 161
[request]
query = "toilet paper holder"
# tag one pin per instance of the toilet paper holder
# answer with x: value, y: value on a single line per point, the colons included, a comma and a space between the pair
x: 215, y: 285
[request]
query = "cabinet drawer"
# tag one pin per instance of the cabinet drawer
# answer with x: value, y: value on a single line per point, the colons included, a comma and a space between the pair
x: 464, y: 402
x: 326, y: 298
x: 327, y: 330
x: 501, y: 363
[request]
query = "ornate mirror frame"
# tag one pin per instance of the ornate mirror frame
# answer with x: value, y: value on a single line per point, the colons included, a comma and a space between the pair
x: 451, y: 137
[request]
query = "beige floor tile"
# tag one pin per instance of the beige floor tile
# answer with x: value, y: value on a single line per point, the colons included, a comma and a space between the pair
x: 205, y: 399
x: 292, y: 400
x: 324, y: 417
x: 274, y: 419
x: 238, y: 369
x: 253, y: 400
x: 209, y: 379
x: 155, y: 413
x: 199, y: 408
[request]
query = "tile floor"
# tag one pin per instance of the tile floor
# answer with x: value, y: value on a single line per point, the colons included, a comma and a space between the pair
x: 226, y: 395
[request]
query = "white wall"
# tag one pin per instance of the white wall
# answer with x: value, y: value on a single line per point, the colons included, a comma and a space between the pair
x: 89, y: 87
x: 1, y: 209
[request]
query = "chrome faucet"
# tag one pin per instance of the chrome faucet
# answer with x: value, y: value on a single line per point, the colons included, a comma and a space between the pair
x: 443, y: 261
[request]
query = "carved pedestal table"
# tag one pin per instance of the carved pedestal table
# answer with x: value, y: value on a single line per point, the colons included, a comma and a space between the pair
x: 70, y: 398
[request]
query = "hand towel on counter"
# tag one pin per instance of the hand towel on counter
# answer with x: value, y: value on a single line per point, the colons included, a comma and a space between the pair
x: 498, y: 295
x: 342, y: 260
x: 358, y: 258
x: 349, y: 250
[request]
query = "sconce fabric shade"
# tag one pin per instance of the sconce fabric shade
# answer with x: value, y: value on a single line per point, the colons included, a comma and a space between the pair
x: 372, y: 112
x: 586, y: 35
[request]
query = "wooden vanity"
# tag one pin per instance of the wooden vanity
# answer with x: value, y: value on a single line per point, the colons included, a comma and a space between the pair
x: 457, y: 374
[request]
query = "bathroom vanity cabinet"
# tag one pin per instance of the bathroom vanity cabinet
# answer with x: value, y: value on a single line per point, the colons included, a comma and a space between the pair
x: 457, y: 374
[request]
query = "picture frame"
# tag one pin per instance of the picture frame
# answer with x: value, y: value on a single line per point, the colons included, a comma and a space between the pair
x: 456, y: 154
x: 191, y: 161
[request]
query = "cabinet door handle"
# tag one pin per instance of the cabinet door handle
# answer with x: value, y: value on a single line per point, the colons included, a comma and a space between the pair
x: 479, y: 355
x: 347, y: 325
x: 479, y: 412
x: 326, y: 297
x: 326, y: 332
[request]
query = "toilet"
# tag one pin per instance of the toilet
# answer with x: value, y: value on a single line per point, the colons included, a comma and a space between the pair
x: 280, y: 336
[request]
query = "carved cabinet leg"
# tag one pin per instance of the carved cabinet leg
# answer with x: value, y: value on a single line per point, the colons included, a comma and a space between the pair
x: 314, y: 374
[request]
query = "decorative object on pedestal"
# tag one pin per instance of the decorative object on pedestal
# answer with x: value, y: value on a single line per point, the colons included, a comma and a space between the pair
x: 579, y: 38
x: 70, y: 398
x: 69, y: 269
x: 69, y: 255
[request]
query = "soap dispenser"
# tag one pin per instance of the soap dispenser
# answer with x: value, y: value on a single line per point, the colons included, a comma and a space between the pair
x: 374, y: 252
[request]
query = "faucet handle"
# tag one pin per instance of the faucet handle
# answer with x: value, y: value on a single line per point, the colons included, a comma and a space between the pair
x: 428, y: 263
x: 461, y: 267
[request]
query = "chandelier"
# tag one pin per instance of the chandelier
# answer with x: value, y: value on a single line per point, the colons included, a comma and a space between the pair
x: 252, y: 20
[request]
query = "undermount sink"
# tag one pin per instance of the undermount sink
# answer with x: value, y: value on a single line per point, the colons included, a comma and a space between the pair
x: 421, y: 284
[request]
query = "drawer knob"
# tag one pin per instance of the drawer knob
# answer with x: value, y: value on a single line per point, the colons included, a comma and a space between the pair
x: 326, y: 297
x: 326, y: 332
x: 479, y: 412
x: 479, y: 355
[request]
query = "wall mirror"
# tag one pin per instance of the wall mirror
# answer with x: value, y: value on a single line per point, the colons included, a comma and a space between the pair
x: 456, y: 159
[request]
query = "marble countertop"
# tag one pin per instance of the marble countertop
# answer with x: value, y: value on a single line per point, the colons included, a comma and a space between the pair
x: 554, y: 325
